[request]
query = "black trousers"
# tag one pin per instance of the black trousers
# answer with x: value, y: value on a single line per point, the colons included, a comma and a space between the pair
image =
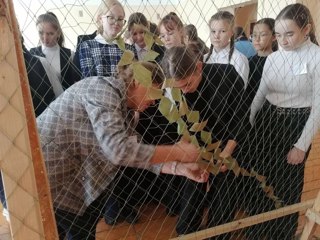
x: 273, y: 135
x: 81, y: 227
x: 220, y: 199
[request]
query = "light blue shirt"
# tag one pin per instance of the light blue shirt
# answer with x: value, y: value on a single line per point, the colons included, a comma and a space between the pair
x: 245, y: 47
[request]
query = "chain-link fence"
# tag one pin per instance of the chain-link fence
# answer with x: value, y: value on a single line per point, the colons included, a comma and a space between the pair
x: 100, y: 174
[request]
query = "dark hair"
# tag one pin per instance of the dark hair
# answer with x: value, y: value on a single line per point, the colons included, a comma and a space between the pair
x: 51, y: 18
x: 197, y: 48
x: 301, y: 15
x: 191, y: 32
x: 239, y: 32
x: 171, y: 22
x: 178, y: 62
x: 154, y: 29
x: 137, y: 18
x: 227, y: 16
x: 270, y: 22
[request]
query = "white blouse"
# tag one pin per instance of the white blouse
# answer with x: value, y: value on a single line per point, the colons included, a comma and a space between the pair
x: 53, y: 57
x: 238, y: 60
x: 291, y: 79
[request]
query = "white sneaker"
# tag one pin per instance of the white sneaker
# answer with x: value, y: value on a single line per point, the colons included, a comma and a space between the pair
x: 5, y: 213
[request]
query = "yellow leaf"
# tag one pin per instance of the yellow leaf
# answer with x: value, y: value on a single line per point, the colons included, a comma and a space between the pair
x: 182, y: 126
x: 127, y: 58
x: 213, y: 146
x: 148, y: 39
x: 165, y: 106
x: 207, y: 155
x: 150, y: 56
x: 217, y: 154
x: 245, y: 173
x: 206, y: 137
x: 158, y: 40
x: 186, y: 136
x: 183, y: 108
x: 193, y: 116
x: 197, y: 127
x: 155, y: 93
x: 236, y: 170
x: 176, y: 94
x: 214, y: 169
x: 168, y: 83
x: 194, y: 140
x: 142, y: 74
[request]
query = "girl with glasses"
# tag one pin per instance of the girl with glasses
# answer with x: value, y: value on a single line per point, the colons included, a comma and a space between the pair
x: 264, y: 41
x: 100, y: 56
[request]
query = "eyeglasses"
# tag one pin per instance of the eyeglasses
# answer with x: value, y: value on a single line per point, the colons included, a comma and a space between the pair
x: 112, y: 20
x: 260, y: 35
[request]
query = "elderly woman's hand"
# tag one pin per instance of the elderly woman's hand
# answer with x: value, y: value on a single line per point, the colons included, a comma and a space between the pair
x: 192, y: 171
x: 187, y: 152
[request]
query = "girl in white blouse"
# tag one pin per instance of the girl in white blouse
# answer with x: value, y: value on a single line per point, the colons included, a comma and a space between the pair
x: 59, y: 58
x: 285, y: 115
x: 222, y: 48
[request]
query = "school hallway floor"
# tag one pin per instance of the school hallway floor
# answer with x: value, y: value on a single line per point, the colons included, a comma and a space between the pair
x: 153, y: 224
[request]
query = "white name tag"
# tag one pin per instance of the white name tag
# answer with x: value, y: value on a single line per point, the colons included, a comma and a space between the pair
x: 300, y: 69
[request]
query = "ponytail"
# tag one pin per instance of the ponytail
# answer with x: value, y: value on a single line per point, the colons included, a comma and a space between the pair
x: 209, y: 53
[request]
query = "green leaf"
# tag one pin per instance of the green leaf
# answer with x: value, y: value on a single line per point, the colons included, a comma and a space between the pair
x: 206, y: 137
x: 182, y: 126
x: 176, y: 94
x: 155, y: 93
x: 127, y: 58
x: 165, y: 106
x: 150, y: 56
x: 193, y: 116
x: 197, y: 127
x: 173, y: 114
x: 121, y: 44
x: 168, y: 83
x: 142, y: 74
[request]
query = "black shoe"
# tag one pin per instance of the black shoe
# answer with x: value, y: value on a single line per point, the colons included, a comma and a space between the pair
x: 111, y: 212
x: 172, y: 212
x: 130, y: 215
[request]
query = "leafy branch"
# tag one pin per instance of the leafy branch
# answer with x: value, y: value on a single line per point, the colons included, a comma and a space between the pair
x: 176, y: 113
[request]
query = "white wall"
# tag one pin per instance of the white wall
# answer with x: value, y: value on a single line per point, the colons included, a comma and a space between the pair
x: 76, y: 18
x: 190, y: 11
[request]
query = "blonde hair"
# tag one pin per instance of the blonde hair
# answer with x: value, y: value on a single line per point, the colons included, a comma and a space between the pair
x: 105, y: 7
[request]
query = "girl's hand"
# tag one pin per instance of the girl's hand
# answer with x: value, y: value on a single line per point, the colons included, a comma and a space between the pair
x: 295, y: 156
